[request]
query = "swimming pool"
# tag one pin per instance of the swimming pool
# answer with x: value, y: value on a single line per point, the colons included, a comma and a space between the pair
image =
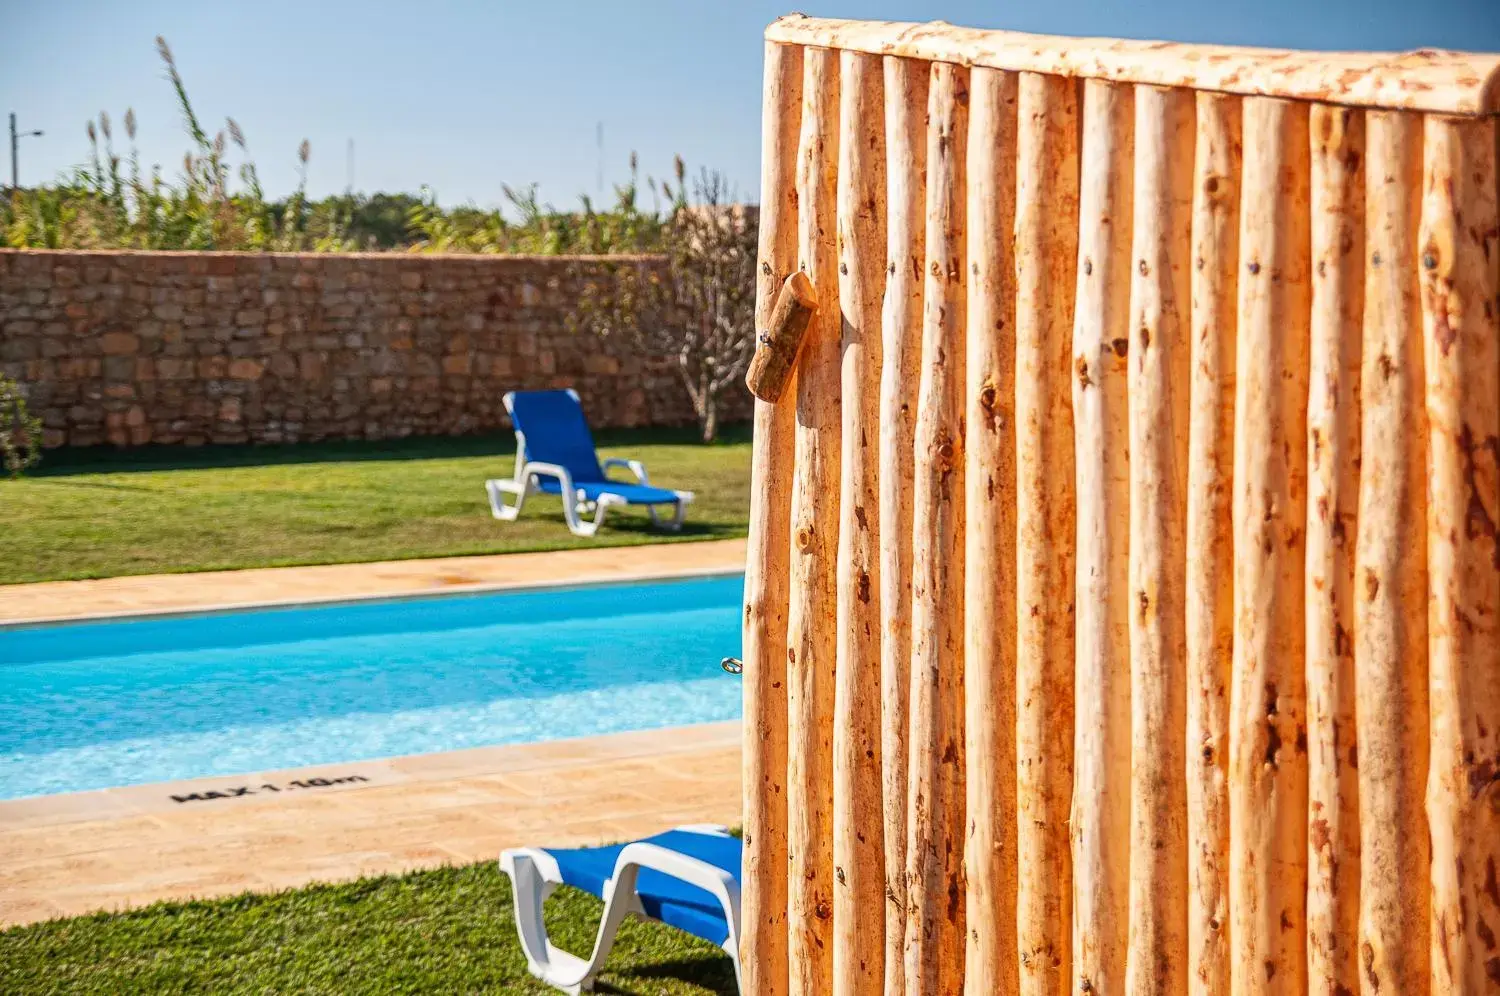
x: 122, y: 702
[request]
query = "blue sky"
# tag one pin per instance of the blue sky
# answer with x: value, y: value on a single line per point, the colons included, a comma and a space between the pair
x: 464, y: 96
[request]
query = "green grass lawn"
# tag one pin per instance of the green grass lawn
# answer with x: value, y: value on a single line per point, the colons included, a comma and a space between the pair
x: 444, y: 931
x: 102, y: 513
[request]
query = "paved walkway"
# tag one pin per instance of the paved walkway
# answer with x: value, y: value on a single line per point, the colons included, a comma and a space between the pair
x: 68, y: 854
x: 73, y: 853
x: 272, y: 585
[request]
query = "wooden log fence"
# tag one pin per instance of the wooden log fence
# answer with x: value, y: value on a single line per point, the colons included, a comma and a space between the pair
x: 1123, y: 595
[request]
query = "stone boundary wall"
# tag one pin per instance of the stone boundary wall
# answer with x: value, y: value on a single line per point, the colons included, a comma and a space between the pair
x: 132, y: 347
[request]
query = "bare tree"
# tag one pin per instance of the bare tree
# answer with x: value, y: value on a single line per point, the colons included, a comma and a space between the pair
x: 696, y: 310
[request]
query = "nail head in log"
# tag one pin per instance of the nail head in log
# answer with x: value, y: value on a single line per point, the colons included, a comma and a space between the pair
x: 778, y: 344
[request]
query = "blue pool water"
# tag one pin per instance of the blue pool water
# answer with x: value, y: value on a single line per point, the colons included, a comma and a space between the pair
x: 92, y: 705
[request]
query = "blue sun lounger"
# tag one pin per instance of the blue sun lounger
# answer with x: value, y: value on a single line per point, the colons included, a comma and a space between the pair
x: 555, y: 455
x: 688, y: 878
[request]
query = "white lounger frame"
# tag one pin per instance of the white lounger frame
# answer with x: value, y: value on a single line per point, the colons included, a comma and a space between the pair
x: 525, y: 482
x: 534, y: 875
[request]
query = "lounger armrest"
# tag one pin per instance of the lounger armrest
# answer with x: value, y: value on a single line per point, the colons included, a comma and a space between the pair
x: 711, y: 879
x: 538, y: 469
x: 634, y: 466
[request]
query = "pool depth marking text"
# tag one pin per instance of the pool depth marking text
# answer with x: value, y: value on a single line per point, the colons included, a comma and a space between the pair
x: 244, y: 790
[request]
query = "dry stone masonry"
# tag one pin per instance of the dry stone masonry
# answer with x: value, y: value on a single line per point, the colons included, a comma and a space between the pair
x: 192, y: 348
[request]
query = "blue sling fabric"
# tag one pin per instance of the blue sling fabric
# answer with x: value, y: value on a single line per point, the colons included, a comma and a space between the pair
x: 556, y: 432
x: 663, y: 897
x: 634, y: 494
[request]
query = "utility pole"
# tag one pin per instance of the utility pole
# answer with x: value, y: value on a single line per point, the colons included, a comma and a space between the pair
x: 15, y: 157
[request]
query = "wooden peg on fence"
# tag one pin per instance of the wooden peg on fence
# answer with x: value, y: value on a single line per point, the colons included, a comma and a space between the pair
x: 777, y: 344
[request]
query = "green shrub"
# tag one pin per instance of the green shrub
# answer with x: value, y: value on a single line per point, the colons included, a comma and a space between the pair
x: 20, y: 431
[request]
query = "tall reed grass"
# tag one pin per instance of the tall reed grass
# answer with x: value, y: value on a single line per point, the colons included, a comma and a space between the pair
x: 216, y: 202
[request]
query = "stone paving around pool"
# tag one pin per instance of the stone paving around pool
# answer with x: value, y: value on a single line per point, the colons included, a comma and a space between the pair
x: 115, y: 848
x: 334, y: 582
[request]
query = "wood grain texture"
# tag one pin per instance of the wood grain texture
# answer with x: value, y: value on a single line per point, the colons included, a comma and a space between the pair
x: 1100, y: 816
x: 990, y: 539
x: 1159, y: 362
x: 1333, y: 460
x: 1210, y: 535
x: 1389, y: 590
x: 906, y: 84
x: 812, y: 625
x: 1046, y: 248
x: 763, y: 896
x: 1458, y: 256
x: 858, y: 845
x: 1267, y: 733
x: 935, y: 802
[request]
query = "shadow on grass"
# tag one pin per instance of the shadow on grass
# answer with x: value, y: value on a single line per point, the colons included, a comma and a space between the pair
x: 95, y: 485
x: 710, y: 972
x: 112, y: 460
x: 635, y: 521
x: 714, y: 974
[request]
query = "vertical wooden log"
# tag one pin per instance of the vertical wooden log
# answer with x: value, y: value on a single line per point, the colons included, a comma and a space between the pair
x: 1159, y: 307
x: 901, y: 324
x: 990, y: 539
x: 764, y: 889
x: 934, y: 857
x: 1333, y: 445
x: 1210, y: 536
x: 1267, y: 736
x: 858, y: 847
x: 815, y: 515
x: 1046, y: 248
x: 1389, y: 590
x: 1100, y: 820
x: 1458, y: 261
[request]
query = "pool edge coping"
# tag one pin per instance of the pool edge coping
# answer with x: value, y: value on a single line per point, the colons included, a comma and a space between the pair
x: 334, y: 601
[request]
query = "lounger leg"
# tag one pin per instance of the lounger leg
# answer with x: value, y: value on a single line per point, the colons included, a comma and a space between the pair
x: 675, y: 523
x: 732, y: 948
x: 546, y: 961
x: 534, y: 875
x: 500, y: 487
x: 531, y: 889
x: 715, y: 881
x: 575, y: 512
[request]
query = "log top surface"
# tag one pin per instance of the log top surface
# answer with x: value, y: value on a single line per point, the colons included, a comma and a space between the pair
x: 1466, y: 83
